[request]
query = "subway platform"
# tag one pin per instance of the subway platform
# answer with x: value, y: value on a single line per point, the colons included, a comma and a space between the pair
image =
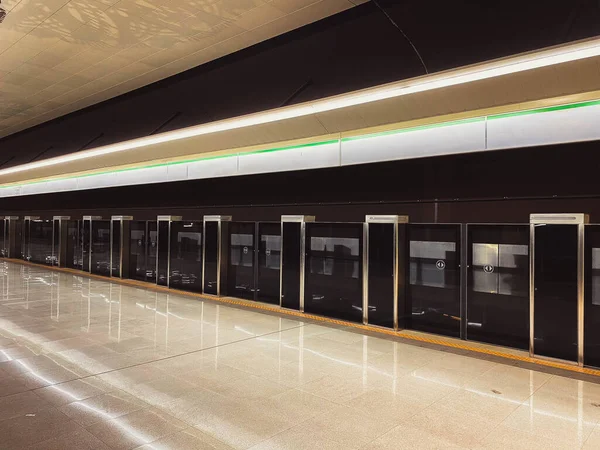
x: 91, y: 364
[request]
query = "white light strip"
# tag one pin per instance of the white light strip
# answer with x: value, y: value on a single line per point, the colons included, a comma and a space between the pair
x: 534, y: 60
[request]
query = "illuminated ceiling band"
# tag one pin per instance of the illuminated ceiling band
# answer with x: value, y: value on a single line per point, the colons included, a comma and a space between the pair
x: 534, y: 60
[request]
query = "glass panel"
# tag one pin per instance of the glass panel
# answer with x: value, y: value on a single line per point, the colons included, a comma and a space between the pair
x: 240, y: 274
x: 211, y: 257
x: 163, y: 252
x: 73, y: 249
x: 591, y: 315
x: 116, y: 248
x: 40, y: 243
x: 137, y: 250
x: 290, y: 278
x: 434, y: 283
x: 333, y: 285
x: 269, y: 260
x: 498, y: 285
x: 85, y: 244
x: 3, y: 246
x: 25, y: 241
x: 18, y: 238
x: 381, y: 274
x: 555, y: 291
x: 152, y: 251
x: 186, y: 256
x: 55, y: 242
x: 101, y: 247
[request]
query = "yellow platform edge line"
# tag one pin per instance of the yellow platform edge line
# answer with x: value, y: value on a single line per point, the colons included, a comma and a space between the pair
x: 462, y: 345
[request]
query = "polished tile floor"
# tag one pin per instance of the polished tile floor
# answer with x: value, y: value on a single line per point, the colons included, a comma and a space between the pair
x: 87, y: 364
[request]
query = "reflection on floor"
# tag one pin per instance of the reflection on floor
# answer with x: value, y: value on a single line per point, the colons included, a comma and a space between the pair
x: 86, y: 364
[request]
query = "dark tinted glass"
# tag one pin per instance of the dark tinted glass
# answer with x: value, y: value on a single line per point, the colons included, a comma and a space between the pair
x: 269, y: 260
x: 240, y: 274
x: 152, y: 251
x: 555, y: 291
x: 137, y: 250
x: 116, y: 248
x: 211, y: 257
x: 101, y: 247
x: 186, y: 256
x: 591, y: 315
x: 18, y: 238
x: 72, y: 247
x: 85, y: 244
x: 333, y: 285
x: 25, y: 240
x: 498, y: 285
x: 40, y: 241
x: 381, y: 274
x: 290, y: 277
x: 55, y: 242
x: 433, y: 302
x: 162, y: 253
x: 3, y: 245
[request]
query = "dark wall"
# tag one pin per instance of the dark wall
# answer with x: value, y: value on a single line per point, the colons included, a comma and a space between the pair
x: 352, y: 50
x: 501, y: 186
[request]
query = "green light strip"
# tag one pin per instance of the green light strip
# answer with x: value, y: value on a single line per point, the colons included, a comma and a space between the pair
x: 332, y: 141
x: 418, y: 128
x: 544, y: 110
x: 174, y: 163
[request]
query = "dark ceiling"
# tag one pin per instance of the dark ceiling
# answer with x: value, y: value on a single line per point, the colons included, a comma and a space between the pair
x: 352, y: 50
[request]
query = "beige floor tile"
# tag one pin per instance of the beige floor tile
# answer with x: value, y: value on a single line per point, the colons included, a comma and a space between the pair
x: 388, y: 406
x: 10, y: 385
x: 20, y: 404
x: 136, y: 429
x: 593, y: 441
x: 102, y: 407
x: 239, y: 425
x: 27, y: 430
x: 559, y: 426
x: 406, y: 437
x: 492, y: 406
x: 131, y: 368
x: 458, y: 428
x: 298, y: 439
x: 161, y: 391
x: 188, y: 439
x: 72, y: 391
x: 250, y: 387
x: 347, y: 427
x: 76, y: 440
x: 336, y: 389
x: 508, y: 438
x: 295, y: 406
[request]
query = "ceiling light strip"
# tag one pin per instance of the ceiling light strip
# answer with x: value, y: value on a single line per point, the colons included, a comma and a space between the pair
x: 544, y: 58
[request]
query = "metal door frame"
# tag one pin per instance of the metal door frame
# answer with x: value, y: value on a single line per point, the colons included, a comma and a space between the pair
x: 169, y: 220
x: 89, y: 219
x: 121, y: 220
x: 257, y: 242
x: 26, y: 250
x: 62, y: 223
x: 558, y: 219
x: 219, y: 220
x: 9, y: 232
x: 389, y: 219
x: 302, y: 220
